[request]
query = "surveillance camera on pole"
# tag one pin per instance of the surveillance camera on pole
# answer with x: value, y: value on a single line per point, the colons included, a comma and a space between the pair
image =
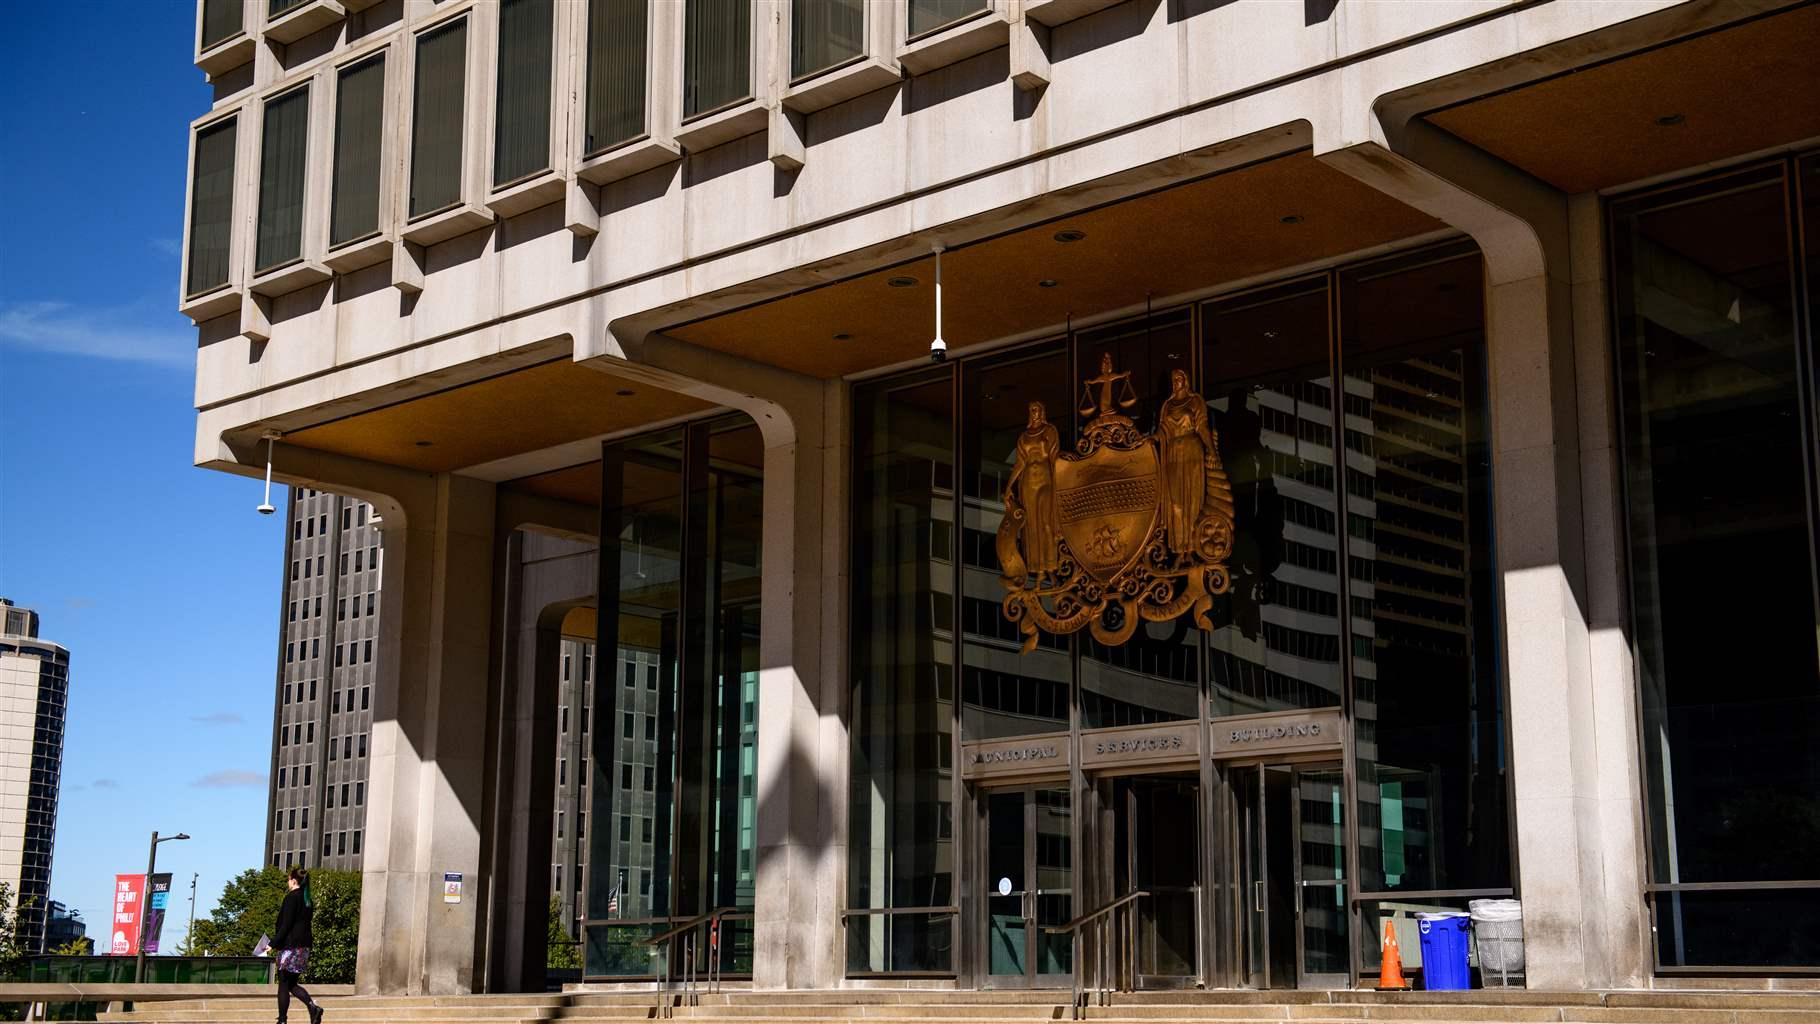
x: 938, y: 349
x: 266, y: 507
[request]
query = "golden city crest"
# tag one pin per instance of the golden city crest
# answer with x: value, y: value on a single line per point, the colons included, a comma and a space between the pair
x: 1132, y: 526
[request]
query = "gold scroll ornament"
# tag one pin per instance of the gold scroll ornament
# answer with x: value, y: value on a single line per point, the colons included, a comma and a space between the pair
x: 1131, y: 526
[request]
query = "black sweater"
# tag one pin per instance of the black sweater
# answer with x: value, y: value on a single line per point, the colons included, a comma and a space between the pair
x: 293, y: 922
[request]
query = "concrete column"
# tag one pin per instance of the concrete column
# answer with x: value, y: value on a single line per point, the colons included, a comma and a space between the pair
x: 427, y: 756
x: 802, y: 733
x: 1573, y: 755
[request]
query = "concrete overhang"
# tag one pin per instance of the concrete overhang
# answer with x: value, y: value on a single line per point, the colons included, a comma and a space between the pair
x: 1593, y: 114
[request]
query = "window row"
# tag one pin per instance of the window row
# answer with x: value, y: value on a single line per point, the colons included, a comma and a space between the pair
x: 408, y: 101
x: 340, y: 842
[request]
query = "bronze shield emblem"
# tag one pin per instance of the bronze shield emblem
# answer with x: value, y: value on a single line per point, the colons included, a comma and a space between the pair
x: 1132, y: 526
x: 1106, y: 505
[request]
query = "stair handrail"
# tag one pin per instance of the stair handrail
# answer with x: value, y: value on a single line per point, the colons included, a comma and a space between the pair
x: 1115, y: 960
x: 689, y: 973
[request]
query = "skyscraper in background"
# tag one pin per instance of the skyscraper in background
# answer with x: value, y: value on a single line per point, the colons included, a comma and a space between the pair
x: 34, y: 692
x: 323, y: 708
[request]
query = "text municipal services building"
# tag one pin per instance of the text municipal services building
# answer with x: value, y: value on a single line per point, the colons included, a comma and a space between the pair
x: 1372, y: 467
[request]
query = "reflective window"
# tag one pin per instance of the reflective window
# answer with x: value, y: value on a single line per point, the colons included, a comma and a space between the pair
x: 1275, y: 644
x: 928, y: 15
x: 616, y: 72
x: 1155, y: 676
x: 687, y: 618
x: 1428, y: 709
x: 211, y: 207
x: 284, y: 146
x: 825, y: 34
x: 1005, y: 692
x: 437, y: 118
x: 359, y: 129
x: 901, y: 831
x: 1715, y: 371
x: 521, y: 126
x: 717, y: 54
x: 221, y: 20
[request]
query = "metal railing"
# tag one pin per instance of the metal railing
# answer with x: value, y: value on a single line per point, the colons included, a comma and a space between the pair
x: 688, y: 972
x: 1114, y: 965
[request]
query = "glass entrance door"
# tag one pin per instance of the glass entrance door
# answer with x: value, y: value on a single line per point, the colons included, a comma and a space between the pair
x: 1029, y: 880
x: 1155, y: 847
x: 1291, y: 872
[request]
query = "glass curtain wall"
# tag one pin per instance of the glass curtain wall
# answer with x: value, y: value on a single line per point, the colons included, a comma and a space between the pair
x: 825, y: 34
x: 616, y: 72
x: 1276, y: 645
x: 674, y: 795
x: 211, y: 206
x: 1427, y: 698
x: 1156, y: 675
x: 1715, y: 364
x: 1005, y: 692
x: 901, y: 851
x: 521, y: 125
x: 359, y: 129
x: 284, y: 145
x: 1371, y: 590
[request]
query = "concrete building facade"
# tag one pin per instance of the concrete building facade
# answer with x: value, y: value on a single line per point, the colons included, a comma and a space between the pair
x: 34, y: 698
x: 323, y: 698
x: 1499, y: 317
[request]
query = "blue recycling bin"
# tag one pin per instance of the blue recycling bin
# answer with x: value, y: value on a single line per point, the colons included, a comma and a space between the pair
x: 1444, y: 966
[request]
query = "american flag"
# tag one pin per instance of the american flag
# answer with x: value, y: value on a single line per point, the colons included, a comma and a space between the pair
x: 613, y: 901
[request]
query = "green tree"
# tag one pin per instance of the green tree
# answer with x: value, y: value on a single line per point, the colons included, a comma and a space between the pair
x: 248, y: 909
x: 12, y: 951
x: 560, y: 951
x: 75, y: 947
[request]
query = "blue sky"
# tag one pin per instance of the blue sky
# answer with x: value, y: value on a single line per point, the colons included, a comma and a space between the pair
x: 158, y: 576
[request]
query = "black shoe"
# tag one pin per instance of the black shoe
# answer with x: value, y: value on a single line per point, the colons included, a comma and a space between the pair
x: 315, y: 1013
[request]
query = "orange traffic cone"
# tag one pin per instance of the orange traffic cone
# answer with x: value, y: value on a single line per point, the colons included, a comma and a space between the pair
x: 1390, y: 974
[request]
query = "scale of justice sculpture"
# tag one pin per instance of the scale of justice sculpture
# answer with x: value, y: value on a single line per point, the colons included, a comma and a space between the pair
x: 1132, y: 526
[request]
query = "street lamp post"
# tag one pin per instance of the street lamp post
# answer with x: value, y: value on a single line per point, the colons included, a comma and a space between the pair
x: 151, y: 867
x: 189, y: 936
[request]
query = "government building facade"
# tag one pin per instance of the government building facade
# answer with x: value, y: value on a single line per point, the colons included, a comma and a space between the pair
x: 1274, y: 467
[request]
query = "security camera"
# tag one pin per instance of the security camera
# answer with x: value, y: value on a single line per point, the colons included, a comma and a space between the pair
x: 938, y: 351
x: 267, y: 509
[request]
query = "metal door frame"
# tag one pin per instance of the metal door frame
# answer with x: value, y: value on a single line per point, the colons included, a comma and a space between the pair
x: 1237, y: 841
x: 1305, y: 980
x: 981, y: 929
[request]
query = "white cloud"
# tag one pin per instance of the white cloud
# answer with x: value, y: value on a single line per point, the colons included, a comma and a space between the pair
x: 230, y: 778
x: 168, y: 246
x: 218, y: 718
x: 106, y: 784
x: 97, y: 333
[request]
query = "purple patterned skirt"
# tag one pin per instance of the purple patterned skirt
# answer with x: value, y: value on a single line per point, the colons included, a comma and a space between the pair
x: 294, y: 961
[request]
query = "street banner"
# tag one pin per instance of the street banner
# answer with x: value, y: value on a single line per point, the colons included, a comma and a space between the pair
x: 157, y: 895
x: 129, y: 903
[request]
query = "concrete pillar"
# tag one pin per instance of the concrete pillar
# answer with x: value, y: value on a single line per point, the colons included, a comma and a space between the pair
x: 427, y: 765
x: 802, y: 733
x: 1573, y: 754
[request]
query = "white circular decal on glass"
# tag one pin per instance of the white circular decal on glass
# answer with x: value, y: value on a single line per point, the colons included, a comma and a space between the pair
x: 1004, y: 887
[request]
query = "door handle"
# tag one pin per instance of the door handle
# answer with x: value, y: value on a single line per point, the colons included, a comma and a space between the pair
x: 1257, y: 895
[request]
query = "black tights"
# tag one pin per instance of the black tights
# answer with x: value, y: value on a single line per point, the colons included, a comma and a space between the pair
x: 287, y: 985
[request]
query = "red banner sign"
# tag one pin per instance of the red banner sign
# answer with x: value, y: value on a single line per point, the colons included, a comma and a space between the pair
x: 129, y: 914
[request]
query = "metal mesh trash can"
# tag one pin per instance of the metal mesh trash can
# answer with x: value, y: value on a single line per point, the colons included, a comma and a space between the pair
x: 1497, y: 932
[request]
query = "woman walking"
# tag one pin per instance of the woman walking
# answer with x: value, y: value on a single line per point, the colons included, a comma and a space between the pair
x: 292, y: 941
